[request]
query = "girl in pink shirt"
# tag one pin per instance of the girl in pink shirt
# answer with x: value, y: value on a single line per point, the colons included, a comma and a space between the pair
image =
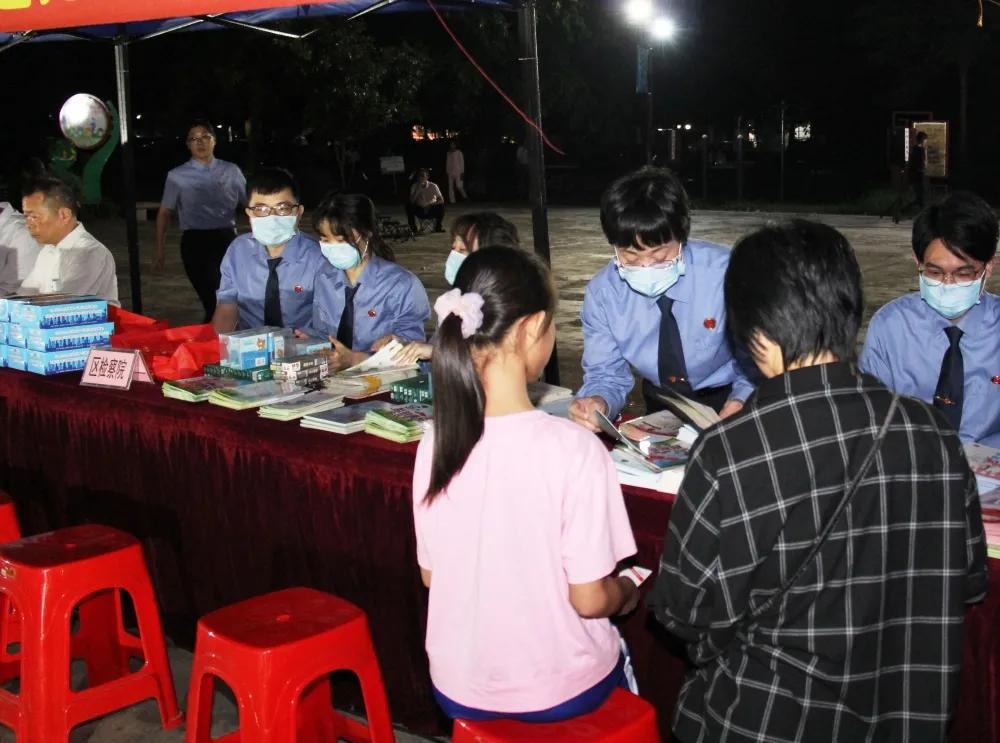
x: 519, y: 517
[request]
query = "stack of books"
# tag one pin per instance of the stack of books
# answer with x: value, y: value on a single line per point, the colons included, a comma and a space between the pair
x: 350, y: 419
x: 255, y: 394
x: 197, y: 389
x: 399, y: 423
x: 414, y: 389
x: 253, y: 375
x: 312, y: 402
x: 648, y: 453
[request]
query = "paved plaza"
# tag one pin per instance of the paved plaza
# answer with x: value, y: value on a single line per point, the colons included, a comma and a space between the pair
x: 578, y: 251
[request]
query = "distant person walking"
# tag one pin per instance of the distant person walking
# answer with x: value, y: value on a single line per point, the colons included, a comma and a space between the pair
x: 455, y: 168
x: 205, y: 193
x: 916, y: 169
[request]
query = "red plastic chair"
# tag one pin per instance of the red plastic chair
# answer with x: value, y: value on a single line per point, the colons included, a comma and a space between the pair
x: 276, y: 653
x: 46, y: 577
x: 624, y: 718
x: 10, y: 529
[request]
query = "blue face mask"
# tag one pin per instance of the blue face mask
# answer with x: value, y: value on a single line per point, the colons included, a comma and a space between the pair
x: 451, y: 266
x: 273, y: 230
x: 341, y: 255
x: 652, y: 281
x: 951, y: 300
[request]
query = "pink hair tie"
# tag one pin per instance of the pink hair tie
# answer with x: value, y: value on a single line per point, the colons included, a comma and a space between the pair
x: 467, y: 307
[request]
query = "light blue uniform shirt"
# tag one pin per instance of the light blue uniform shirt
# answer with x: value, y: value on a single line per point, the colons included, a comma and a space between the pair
x: 244, y: 279
x: 622, y: 327
x: 205, y: 197
x: 389, y: 299
x: 906, y: 344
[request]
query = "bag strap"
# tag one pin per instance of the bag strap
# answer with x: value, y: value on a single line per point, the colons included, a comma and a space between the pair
x: 825, y: 533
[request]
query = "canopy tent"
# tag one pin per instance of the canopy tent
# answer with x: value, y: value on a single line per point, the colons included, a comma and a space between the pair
x: 123, y: 22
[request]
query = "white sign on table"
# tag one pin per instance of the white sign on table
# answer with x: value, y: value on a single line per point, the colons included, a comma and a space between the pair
x: 115, y: 368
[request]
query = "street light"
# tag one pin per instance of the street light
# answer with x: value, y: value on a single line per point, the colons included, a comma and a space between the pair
x: 663, y: 28
x: 638, y: 12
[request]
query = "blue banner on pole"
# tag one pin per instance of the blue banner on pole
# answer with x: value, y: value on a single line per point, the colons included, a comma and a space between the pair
x: 641, y: 69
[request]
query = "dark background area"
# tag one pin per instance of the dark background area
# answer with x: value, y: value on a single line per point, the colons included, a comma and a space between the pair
x: 353, y: 91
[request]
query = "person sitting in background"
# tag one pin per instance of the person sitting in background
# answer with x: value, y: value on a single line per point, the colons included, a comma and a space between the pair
x: 71, y: 260
x: 468, y: 233
x: 18, y: 249
x: 426, y: 202
x: 363, y: 294
x: 519, y: 517
x: 268, y: 275
x: 943, y: 343
x: 813, y: 615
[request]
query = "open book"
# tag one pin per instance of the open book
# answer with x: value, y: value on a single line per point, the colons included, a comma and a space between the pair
x: 380, y: 361
x: 697, y: 414
x: 654, y: 454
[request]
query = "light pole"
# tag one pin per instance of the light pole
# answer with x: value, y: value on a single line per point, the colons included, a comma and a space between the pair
x: 655, y: 27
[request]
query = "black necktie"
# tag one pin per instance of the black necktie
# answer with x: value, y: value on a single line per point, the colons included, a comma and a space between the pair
x: 272, y: 297
x: 345, y: 331
x: 670, y: 357
x: 951, y: 383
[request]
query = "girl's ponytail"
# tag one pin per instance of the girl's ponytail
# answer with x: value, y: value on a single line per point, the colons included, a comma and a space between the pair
x: 494, y: 288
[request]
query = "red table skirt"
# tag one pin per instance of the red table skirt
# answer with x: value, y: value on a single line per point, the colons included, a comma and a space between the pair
x: 230, y: 505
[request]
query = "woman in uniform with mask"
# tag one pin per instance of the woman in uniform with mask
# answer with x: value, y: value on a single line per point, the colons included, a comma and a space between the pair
x: 469, y: 232
x: 657, y: 307
x: 363, y: 294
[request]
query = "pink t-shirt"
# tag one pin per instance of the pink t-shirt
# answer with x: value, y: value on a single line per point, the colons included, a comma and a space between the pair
x: 537, y: 506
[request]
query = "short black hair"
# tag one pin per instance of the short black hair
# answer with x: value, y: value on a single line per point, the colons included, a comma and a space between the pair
x: 491, y: 230
x: 203, y: 123
x: 797, y: 283
x: 57, y: 192
x: 267, y: 181
x: 965, y: 223
x: 648, y: 206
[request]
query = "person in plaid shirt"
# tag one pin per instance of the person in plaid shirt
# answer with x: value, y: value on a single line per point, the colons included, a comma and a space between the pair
x: 866, y: 644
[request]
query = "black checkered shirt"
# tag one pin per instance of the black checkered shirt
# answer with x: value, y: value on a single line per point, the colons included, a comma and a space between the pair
x: 867, y: 644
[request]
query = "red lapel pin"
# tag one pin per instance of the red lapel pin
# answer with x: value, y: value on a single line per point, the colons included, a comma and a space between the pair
x: 371, y: 313
x: 709, y: 323
x: 996, y: 379
x: 298, y: 288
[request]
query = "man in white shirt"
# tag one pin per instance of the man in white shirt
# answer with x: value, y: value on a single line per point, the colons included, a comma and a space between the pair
x: 18, y: 249
x: 426, y: 202
x: 455, y: 168
x: 71, y: 259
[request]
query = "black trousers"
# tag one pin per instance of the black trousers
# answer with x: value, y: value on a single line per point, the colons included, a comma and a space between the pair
x: 202, y: 252
x: 714, y: 397
x: 434, y: 211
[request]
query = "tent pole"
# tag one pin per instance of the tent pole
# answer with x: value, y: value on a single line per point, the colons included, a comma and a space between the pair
x: 528, y: 29
x: 128, y: 165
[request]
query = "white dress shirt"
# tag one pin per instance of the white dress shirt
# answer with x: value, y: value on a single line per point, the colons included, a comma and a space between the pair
x: 18, y: 249
x: 79, y: 264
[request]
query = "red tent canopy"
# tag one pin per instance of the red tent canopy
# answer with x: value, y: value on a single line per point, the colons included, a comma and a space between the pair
x: 39, y: 15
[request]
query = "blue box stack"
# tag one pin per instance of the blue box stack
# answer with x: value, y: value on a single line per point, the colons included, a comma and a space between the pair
x: 52, y: 333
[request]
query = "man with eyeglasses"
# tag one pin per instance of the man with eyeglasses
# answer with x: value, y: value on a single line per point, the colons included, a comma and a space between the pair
x: 205, y: 193
x: 657, y: 307
x: 943, y: 343
x: 269, y: 274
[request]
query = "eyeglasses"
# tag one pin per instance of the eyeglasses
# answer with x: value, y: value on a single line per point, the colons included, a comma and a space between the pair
x: 201, y: 138
x: 283, y: 209
x: 660, y: 264
x: 965, y: 276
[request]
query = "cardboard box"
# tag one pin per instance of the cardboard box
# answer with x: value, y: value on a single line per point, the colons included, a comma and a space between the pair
x: 62, y: 339
x: 15, y: 335
x: 17, y: 358
x: 57, y: 362
x: 245, y: 349
x: 58, y: 313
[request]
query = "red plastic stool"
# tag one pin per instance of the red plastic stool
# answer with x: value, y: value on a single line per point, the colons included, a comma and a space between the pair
x: 10, y: 529
x: 48, y: 575
x: 624, y: 718
x: 275, y: 652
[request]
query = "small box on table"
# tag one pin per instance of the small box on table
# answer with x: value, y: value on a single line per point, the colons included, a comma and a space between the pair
x: 246, y: 349
x: 59, y: 313
x: 57, y: 362
x: 62, y: 339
